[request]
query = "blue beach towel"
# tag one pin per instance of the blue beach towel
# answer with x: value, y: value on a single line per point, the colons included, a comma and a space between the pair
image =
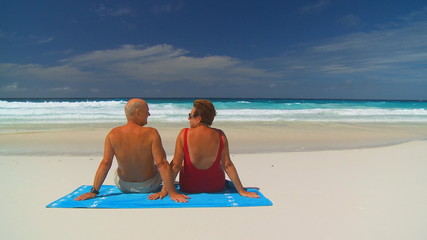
x: 111, y: 197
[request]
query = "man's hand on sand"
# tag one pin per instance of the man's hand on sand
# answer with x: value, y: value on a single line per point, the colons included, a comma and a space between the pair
x: 158, y: 195
x: 85, y: 196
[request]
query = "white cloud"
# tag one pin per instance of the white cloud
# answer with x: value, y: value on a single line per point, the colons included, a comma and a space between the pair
x: 125, y: 53
x: 350, y: 20
x: 12, y: 88
x: 2, y: 34
x: 154, y: 64
x: 314, y: 7
x: 37, y: 71
x: 163, y: 63
x: 166, y: 8
x: 61, y: 89
x: 397, y: 50
x: 104, y: 11
x: 46, y: 40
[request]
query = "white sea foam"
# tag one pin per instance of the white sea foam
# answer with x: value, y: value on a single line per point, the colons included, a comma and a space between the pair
x: 111, y: 111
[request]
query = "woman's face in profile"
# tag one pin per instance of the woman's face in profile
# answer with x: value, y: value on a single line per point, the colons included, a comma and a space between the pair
x: 192, y: 119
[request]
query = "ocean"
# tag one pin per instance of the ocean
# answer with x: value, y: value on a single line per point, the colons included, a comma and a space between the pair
x: 15, y: 113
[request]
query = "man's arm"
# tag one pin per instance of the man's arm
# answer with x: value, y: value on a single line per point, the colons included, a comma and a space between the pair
x: 164, y: 169
x: 231, y: 171
x: 103, y: 168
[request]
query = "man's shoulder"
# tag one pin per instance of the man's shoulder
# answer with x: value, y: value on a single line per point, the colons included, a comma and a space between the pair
x: 117, y: 129
x: 114, y: 130
x: 126, y: 128
x: 149, y: 129
x: 149, y: 132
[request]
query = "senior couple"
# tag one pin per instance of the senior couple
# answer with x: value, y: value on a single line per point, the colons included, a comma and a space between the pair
x: 201, y: 156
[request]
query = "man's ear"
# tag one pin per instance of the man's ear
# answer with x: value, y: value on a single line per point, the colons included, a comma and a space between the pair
x: 137, y: 111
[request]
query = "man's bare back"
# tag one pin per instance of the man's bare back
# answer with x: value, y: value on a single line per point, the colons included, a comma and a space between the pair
x: 132, y: 147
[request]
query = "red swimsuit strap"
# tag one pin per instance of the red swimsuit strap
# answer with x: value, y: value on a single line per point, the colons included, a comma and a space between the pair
x: 186, y: 153
x: 221, y: 145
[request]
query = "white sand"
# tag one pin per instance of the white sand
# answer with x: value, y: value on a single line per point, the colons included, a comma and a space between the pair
x: 364, y: 193
x: 243, y: 137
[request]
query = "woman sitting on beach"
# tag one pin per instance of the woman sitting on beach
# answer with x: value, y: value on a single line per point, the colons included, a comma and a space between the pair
x: 202, y: 155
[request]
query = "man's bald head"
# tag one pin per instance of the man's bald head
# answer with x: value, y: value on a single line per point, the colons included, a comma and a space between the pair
x: 133, y: 105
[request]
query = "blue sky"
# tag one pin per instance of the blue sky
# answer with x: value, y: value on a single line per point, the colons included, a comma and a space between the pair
x: 193, y: 48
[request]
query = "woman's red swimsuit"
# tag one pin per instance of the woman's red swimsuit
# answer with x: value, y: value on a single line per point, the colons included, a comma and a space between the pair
x: 194, y: 180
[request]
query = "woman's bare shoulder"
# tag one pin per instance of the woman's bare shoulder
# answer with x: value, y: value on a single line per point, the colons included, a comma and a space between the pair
x: 219, y: 130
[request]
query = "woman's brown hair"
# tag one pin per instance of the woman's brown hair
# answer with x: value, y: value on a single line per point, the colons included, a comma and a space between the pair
x: 206, y: 110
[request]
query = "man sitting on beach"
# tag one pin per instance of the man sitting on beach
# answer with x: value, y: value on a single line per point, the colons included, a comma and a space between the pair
x: 141, y: 159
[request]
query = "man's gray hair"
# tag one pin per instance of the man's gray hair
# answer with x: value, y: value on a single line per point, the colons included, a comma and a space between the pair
x: 131, y: 106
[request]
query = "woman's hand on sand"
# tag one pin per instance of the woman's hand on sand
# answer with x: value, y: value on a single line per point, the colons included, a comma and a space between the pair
x: 177, y: 197
x: 249, y: 194
x: 85, y: 196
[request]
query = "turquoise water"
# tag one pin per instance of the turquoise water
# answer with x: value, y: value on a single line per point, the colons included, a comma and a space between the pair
x: 81, y: 111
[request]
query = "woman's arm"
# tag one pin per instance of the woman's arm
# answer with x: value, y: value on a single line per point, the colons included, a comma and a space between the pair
x: 176, y: 165
x: 231, y: 170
